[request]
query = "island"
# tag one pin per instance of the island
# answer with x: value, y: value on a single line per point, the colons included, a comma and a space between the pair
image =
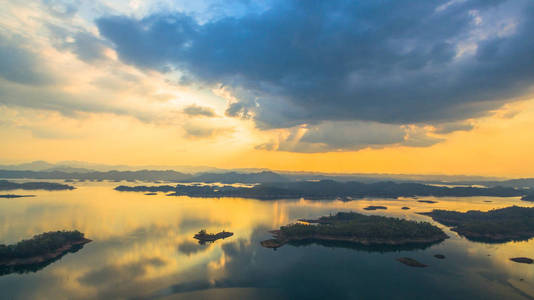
x: 324, y: 189
x: 48, y: 186
x: 15, y: 196
x: 512, y: 223
x: 427, y: 201
x: 357, y: 228
x: 405, y: 208
x: 40, y: 250
x: 374, y: 207
x: 411, y: 262
x: 202, y: 236
x: 522, y: 260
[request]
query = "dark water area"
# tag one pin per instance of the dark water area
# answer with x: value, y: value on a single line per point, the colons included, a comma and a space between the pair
x: 143, y: 248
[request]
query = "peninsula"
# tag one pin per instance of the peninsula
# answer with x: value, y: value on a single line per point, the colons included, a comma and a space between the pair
x: 41, y: 248
x: 512, y: 223
x: 325, y: 189
x: 48, y: 186
x: 15, y: 196
x: 357, y: 228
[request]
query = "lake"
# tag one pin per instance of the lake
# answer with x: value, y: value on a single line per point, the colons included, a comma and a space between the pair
x: 143, y: 248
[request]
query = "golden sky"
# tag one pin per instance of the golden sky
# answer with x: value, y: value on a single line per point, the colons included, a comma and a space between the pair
x: 71, y: 89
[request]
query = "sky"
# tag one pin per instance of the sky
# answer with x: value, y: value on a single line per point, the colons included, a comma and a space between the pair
x: 437, y: 87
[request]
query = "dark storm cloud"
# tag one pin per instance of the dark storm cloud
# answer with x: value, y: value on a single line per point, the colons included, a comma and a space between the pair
x: 311, y: 61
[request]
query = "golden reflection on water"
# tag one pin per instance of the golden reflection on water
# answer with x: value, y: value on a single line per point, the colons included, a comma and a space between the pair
x: 148, y: 239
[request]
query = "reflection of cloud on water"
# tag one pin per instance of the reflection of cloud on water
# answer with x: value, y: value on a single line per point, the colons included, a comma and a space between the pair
x: 316, y: 272
x: 189, y: 247
x: 118, y: 280
x: 113, y: 274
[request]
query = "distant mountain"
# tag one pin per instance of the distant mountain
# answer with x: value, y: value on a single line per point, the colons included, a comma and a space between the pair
x: 234, y: 177
x: 90, y: 171
x: 148, y: 175
x: 84, y: 167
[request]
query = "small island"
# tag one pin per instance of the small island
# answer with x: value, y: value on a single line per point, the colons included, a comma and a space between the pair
x: 374, y: 207
x: 15, y: 196
x: 405, y: 208
x: 202, y: 236
x: 411, y: 262
x: 40, y: 249
x: 522, y: 260
x: 512, y: 223
x: 427, y: 201
x: 357, y: 228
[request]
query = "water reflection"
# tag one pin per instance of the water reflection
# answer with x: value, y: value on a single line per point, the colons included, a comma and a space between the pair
x: 360, y: 247
x: 143, y: 248
x: 21, y: 269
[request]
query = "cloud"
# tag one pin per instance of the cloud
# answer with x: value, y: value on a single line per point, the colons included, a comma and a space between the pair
x: 350, y: 136
x: 396, y: 62
x: 196, y: 110
x: 61, y: 8
x: 20, y: 65
x: 112, y: 274
x: 202, y: 131
x: 189, y: 247
x: 452, y: 127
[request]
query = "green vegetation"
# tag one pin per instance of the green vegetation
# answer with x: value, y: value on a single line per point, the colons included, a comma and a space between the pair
x: 498, y: 225
x: 48, y: 186
x: 15, y: 196
x: 362, y: 226
x: 358, y: 228
x: 202, y: 236
x: 325, y: 189
x: 40, y: 244
x: 374, y: 207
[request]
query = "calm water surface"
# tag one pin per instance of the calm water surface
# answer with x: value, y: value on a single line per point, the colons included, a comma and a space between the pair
x: 143, y: 249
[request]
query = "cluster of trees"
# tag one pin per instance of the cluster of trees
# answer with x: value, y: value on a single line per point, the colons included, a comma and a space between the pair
x: 49, y: 186
x: 513, y: 222
x: 356, y: 225
x: 326, y: 189
x: 40, y: 244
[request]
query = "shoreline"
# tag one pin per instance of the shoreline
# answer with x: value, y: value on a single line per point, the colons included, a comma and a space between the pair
x: 279, y: 240
x: 43, y: 257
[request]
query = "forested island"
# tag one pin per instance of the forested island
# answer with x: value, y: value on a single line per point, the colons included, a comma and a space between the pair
x: 48, y: 186
x: 512, y: 223
x: 325, y: 189
x: 357, y: 228
x: 202, y: 236
x: 15, y: 196
x: 40, y: 249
